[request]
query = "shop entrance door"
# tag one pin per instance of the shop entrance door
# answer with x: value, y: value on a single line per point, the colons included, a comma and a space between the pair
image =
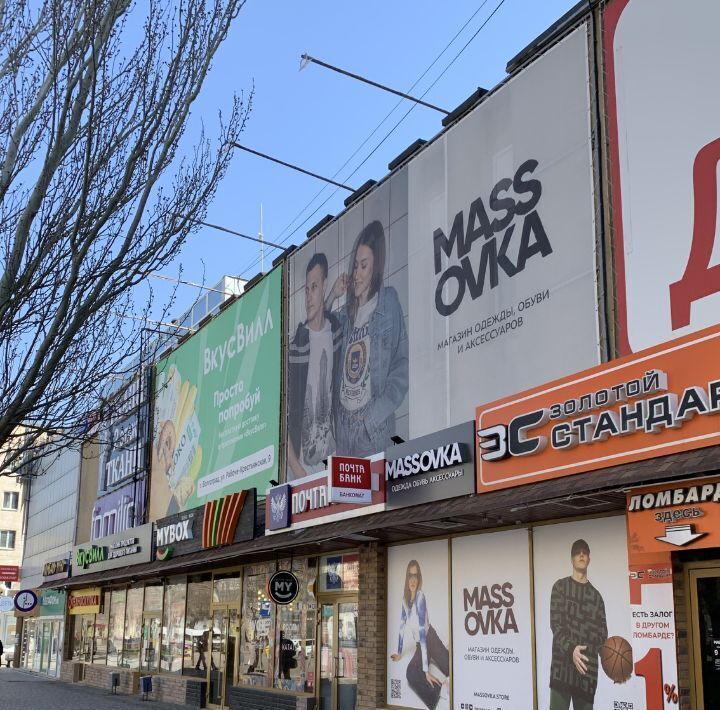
x: 44, y: 646
x: 219, y: 654
x: 705, y: 628
x: 338, y: 654
x: 150, y: 648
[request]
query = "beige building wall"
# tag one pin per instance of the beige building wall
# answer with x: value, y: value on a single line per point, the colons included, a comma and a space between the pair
x: 89, y: 469
x: 11, y: 521
x: 11, y: 551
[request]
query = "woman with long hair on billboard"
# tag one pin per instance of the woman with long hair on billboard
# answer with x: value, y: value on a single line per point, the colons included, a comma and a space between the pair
x: 415, y: 622
x: 373, y: 376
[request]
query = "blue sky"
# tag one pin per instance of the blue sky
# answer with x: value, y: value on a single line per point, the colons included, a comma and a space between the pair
x: 318, y: 119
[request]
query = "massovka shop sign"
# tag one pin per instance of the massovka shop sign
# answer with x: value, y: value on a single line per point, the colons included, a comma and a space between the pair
x: 657, y: 402
x: 431, y: 468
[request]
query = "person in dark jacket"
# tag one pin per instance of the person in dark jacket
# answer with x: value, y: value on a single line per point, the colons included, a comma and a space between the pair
x: 313, y: 361
x: 579, y: 626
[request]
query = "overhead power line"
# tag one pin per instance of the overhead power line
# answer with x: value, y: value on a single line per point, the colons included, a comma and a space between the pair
x: 284, y: 240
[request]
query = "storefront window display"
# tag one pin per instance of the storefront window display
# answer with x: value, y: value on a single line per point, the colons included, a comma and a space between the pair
x: 197, y: 626
x: 116, y: 621
x: 82, y: 642
x: 28, y: 650
x: 133, y: 628
x: 173, y: 626
x: 295, y: 631
x: 226, y: 588
x: 258, y: 627
x: 151, y: 628
x: 101, y: 632
x: 153, y: 599
x: 340, y: 572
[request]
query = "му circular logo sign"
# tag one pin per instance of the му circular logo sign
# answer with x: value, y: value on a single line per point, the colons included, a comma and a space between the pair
x: 26, y: 600
x: 283, y: 587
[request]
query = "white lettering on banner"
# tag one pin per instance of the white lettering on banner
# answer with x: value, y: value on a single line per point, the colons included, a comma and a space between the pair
x: 244, y: 335
x: 430, y: 460
x: 309, y: 499
x: 704, y: 493
x: 119, y: 467
x: 237, y: 471
x: 173, y: 533
x: 651, y: 415
x: 352, y: 467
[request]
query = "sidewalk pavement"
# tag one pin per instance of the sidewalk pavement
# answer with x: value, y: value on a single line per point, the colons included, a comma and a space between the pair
x: 21, y: 690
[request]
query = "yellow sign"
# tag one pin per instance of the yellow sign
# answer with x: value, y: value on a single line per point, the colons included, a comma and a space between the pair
x: 84, y: 601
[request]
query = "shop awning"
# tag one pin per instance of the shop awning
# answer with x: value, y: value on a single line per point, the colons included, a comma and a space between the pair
x: 589, y: 493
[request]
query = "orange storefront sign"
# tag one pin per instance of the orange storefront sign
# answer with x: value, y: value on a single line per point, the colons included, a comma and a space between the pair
x: 84, y: 601
x: 656, y: 402
x: 681, y: 516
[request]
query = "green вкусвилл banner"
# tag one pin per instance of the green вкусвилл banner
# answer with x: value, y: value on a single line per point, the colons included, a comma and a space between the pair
x: 217, y: 398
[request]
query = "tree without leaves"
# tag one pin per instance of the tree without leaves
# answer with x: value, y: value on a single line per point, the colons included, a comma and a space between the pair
x: 94, y: 191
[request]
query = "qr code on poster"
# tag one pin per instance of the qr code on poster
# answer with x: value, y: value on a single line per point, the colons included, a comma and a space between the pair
x: 395, y: 689
x: 622, y: 705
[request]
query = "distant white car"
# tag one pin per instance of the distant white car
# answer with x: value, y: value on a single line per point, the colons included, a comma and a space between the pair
x: 9, y: 655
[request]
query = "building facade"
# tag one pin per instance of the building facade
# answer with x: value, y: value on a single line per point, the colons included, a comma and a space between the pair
x: 460, y: 449
x: 12, y: 517
x: 52, y: 507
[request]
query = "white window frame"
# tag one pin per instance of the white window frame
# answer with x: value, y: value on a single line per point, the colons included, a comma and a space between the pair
x: 14, y: 539
x: 17, y: 500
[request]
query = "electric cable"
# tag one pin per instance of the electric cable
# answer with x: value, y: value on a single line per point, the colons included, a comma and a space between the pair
x: 280, y: 239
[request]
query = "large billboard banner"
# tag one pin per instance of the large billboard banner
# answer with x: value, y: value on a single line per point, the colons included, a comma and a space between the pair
x: 348, y: 349
x: 664, y: 161
x: 492, y: 621
x: 418, y: 621
x: 122, y: 509
x: 480, y: 251
x: 123, y: 434
x: 122, y: 475
x: 502, y: 244
x: 217, y: 398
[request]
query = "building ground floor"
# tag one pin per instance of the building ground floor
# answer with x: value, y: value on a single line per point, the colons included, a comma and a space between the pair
x: 599, y: 590
x: 41, y: 646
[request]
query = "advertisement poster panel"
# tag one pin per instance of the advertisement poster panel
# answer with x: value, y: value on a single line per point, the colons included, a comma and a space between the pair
x: 122, y: 509
x: 668, y: 281
x: 492, y: 621
x: 418, y: 633
x: 583, y: 615
x: 348, y: 350
x: 480, y: 250
x: 122, y: 435
x: 217, y: 398
x: 502, y: 244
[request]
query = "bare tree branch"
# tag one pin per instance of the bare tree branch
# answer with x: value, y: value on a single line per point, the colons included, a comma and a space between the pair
x: 95, y: 97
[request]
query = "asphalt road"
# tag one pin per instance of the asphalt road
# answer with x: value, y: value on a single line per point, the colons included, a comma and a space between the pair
x: 20, y: 690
